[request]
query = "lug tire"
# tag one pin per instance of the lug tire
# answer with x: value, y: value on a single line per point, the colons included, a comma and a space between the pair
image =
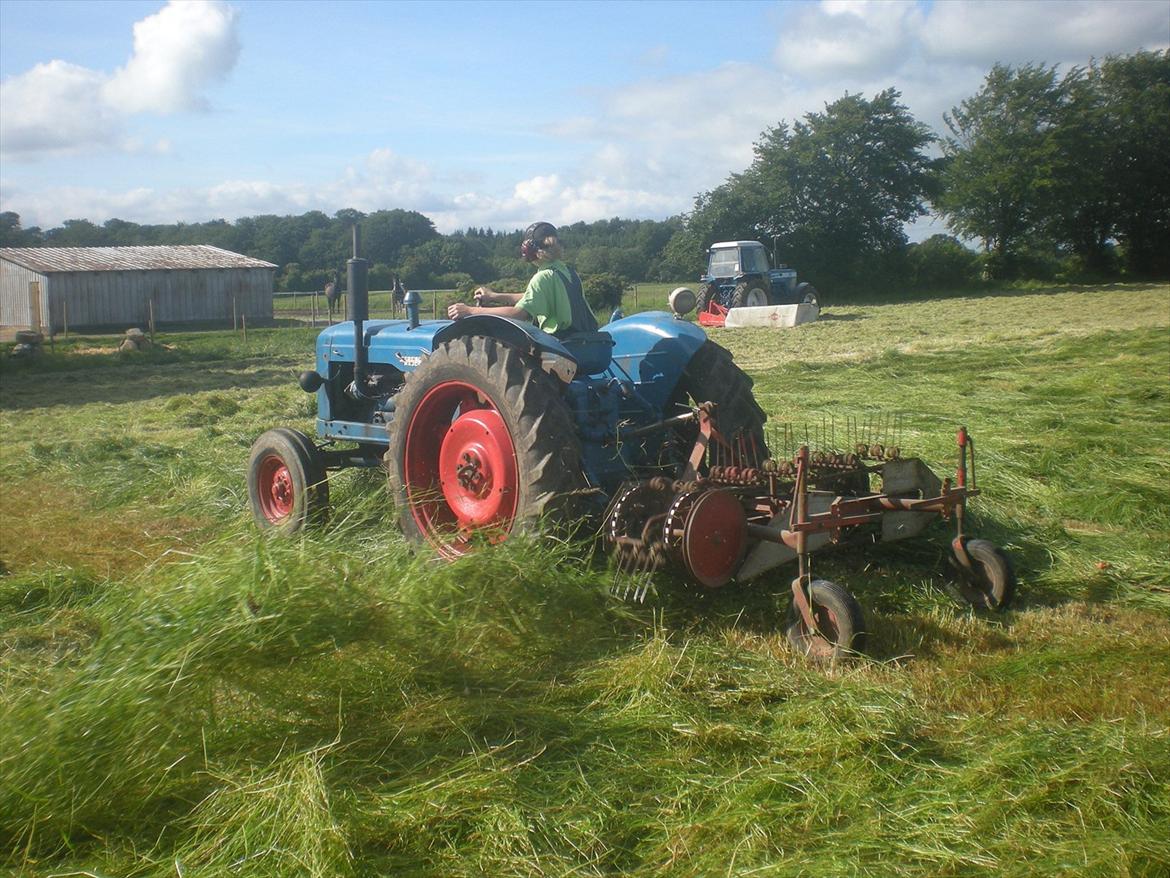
x: 705, y: 295
x: 287, y: 487
x: 749, y: 296
x: 994, y: 583
x: 712, y: 376
x: 482, y: 444
x: 840, y: 624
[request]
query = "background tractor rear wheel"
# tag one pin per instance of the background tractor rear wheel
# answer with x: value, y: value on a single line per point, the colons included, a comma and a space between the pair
x: 840, y: 624
x: 748, y: 295
x: 994, y: 582
x: 482, y: 443
x: 286, y: 482
x: 806, y: 294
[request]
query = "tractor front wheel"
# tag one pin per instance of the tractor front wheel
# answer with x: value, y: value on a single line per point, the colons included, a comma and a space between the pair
x: 286, y: 482
x: 748, y: 295
x: 707, y: 293
x: 482, y: 444
x: 840, y: 625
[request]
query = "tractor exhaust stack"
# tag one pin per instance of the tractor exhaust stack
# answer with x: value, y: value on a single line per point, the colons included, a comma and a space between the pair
x: 357, y: 276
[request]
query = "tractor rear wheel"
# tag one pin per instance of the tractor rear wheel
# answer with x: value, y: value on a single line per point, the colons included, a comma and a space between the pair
x: 840, y: 624
x: 712, y: 376
x: 748, y: 295
x: 286, y: 482
x: 806, y: 294
x: 482, y: 444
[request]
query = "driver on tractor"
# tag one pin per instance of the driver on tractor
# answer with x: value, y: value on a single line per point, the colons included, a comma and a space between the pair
x: 553, y: 300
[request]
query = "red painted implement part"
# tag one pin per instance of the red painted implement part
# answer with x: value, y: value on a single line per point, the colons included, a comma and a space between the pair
x: 713, y: 315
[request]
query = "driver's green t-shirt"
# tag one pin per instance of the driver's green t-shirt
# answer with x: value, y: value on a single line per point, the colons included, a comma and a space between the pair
x: 546, y: 298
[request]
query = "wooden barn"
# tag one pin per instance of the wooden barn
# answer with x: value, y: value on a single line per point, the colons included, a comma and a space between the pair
x: 56, y: 288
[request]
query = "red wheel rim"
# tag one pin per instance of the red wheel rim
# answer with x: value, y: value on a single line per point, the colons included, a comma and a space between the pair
x: 459, y: 467
x: 714, y: 538
x: 277, y: 494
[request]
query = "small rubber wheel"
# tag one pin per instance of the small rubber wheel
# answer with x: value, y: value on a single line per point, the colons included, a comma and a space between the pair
x: 993, y: 584
x: 840, y: 624
x: 286, y: 482
x: 806, y: 294
x: 748, y: 296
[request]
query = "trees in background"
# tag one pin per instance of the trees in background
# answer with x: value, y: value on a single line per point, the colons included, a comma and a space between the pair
x: 1053, y: 176
x: 1041, y: 167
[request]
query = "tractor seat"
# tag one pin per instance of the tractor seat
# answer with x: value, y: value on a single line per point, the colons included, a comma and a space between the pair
x: 591, y: 350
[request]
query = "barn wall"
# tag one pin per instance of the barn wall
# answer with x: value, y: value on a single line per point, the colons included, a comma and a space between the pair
x: 14, y: 300
x: 121, y: 298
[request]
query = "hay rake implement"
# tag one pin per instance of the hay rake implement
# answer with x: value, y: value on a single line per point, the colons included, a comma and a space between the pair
x: 735, y: 512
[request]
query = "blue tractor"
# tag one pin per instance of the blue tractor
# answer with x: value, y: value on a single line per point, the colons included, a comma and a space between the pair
x: 489, y: 426
x: 739, y: 276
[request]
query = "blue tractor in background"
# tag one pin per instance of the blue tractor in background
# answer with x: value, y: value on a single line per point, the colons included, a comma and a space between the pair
x: 488, y: 426
x: 739, y: 276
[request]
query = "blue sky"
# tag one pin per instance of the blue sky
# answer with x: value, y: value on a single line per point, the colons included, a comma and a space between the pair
x: 485, y: 114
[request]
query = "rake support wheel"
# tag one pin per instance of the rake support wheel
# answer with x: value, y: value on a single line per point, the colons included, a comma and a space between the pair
x: 991, y: 582
x: 840, y: 624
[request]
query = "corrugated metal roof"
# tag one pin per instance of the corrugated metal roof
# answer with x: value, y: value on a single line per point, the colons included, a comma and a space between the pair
x: 182, y: 256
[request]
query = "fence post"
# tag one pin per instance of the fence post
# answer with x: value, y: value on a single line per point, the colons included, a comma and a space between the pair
x: 65, y: 315
x: 244, y: 323
x: 435, y: 305
x: 314, y: 309
x: 150, y: 304
x: 235, y: 317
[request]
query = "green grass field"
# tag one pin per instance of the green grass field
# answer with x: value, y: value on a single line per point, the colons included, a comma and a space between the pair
x: 180, y: 697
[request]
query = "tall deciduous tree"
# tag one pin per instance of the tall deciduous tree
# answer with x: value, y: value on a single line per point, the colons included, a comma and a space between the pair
x: 1134, y: 97
x: 1000, y: 180
x: 833, y: 190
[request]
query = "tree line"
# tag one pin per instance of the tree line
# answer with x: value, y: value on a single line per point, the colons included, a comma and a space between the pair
x: 1052, y: 177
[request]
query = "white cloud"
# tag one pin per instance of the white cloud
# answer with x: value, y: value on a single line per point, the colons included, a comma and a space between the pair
x: 54, y: 108
x: 178, y: 52
x: 984, y: 33
x: 58, y: 108
x: 848, y: 38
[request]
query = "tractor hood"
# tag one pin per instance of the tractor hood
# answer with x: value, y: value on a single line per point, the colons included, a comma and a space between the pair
x: 394, y: 343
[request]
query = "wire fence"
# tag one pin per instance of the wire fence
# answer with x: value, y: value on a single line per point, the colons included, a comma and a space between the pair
x: 313, y: 307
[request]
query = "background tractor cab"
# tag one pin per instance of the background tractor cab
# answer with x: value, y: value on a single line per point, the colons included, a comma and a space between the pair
x: 739, y: 276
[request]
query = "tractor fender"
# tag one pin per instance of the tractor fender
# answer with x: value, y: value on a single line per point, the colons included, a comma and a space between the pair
x: 521, y: 335
x: 514, y: 333
x: 654, y: 343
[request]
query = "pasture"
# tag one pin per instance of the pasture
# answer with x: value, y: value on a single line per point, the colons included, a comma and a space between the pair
x: 181, y: 697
